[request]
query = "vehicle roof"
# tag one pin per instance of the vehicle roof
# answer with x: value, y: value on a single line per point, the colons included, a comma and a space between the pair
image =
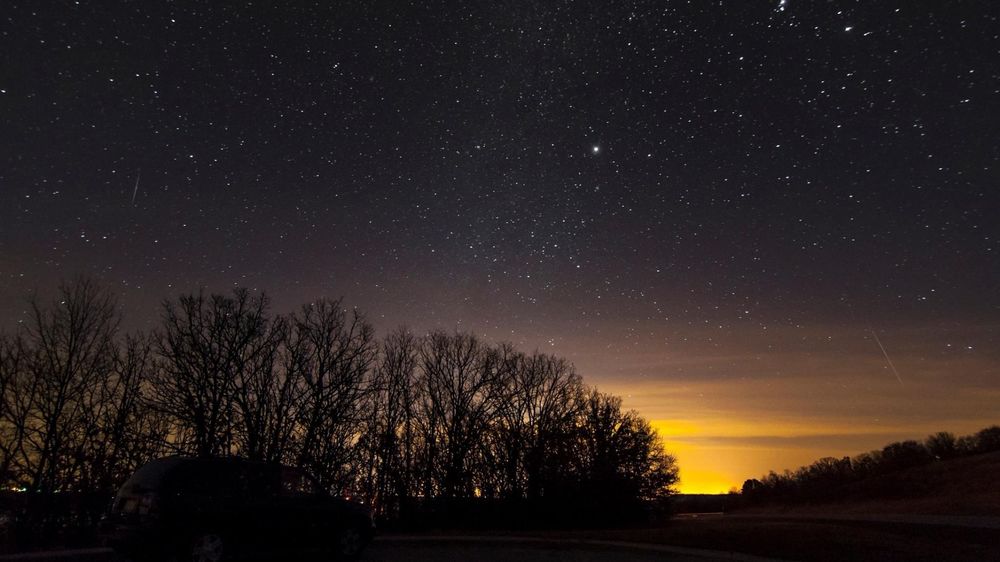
x: 152, y: 474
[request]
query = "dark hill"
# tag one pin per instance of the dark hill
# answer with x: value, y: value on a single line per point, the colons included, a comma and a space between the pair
x: 963, y: 486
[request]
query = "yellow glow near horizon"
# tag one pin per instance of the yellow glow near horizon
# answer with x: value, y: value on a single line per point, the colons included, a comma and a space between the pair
x: 717, y: 470
x: 779, y: 399
x: 695, y: 476
x: 715, y: 456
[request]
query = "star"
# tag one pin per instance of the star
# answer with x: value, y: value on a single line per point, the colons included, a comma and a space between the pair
x: 595, y: 149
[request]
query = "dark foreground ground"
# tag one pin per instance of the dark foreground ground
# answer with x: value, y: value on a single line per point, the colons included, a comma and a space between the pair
x: 832, y: 539
x: 443, y: 548
x: 526, y: 550
x: 697, y: 538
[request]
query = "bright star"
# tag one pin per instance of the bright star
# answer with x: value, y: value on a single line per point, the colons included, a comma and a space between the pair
x: 596, y: 149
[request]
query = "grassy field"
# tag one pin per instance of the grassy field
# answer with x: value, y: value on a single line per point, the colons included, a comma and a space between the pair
x: 818, y: 541
x: 813, y: 533
x: 967, y: 486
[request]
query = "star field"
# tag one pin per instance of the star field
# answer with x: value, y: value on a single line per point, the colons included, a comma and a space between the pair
x: 635, y: 185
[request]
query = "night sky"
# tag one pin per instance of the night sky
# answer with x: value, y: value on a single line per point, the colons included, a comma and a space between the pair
x: 711, y: 208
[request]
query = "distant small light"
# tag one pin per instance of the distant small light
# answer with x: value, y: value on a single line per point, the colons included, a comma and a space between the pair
x: 848, y: 28
x: 596, y: 149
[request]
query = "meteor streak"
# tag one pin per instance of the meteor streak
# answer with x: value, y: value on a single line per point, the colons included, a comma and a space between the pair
x: 886, y: 355
x: 136, y: 190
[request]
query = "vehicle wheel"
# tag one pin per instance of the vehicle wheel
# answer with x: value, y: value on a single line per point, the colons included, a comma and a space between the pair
x: 206, y: 547
x: 350, y: 543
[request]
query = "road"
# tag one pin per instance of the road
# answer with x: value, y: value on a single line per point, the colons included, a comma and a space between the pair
x: 814, y: 538
x: 463, y: 549
x: 505, y: 549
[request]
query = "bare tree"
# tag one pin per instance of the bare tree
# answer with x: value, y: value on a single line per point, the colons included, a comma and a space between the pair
x: 333, y: 351
x: 461, y: 383
x: 539, y: 409
x: 620, y: 455
x: 266, y: 394
x: 941, y: 445
x: 444, y: 416
x: 68, y: 349
x: 126, y: 433
x: 390, y: 430
x: 58, y: 384
x: 16, y: 397
x: 205, y: 347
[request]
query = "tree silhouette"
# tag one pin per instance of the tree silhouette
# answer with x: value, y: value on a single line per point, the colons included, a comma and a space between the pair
x: 204, y: 346
x: 69, y: 347
x: 126, y: 433
x: 460, y: 382
x: 869, y: 475
x: 408, y: 422
x: 987, y: 439
x: 72, y: 417
x: 942, y: 445
x: 334, y: 350
x: 538, y: 411
x: 620, y: 456
x: 390, y: 430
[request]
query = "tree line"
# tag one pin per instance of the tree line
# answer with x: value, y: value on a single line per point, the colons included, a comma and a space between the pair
x: 404, y: 421
x: 829, y: 477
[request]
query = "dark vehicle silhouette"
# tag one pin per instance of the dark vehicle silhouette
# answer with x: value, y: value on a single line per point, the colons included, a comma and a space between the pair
x: 211, y: 509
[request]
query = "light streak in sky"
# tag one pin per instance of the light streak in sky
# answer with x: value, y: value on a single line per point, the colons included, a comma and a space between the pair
x: 886, y: 355
x: 136, y: 190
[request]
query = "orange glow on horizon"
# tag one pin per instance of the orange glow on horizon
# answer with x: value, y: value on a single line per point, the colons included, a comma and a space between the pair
x: 782, y: 399
x: 716, y: 456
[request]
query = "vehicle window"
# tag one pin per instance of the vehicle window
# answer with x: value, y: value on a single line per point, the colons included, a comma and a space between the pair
x: 207, y: 477
x: 258, y: 480
x: 295, y: 481
x: 150, y: 475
